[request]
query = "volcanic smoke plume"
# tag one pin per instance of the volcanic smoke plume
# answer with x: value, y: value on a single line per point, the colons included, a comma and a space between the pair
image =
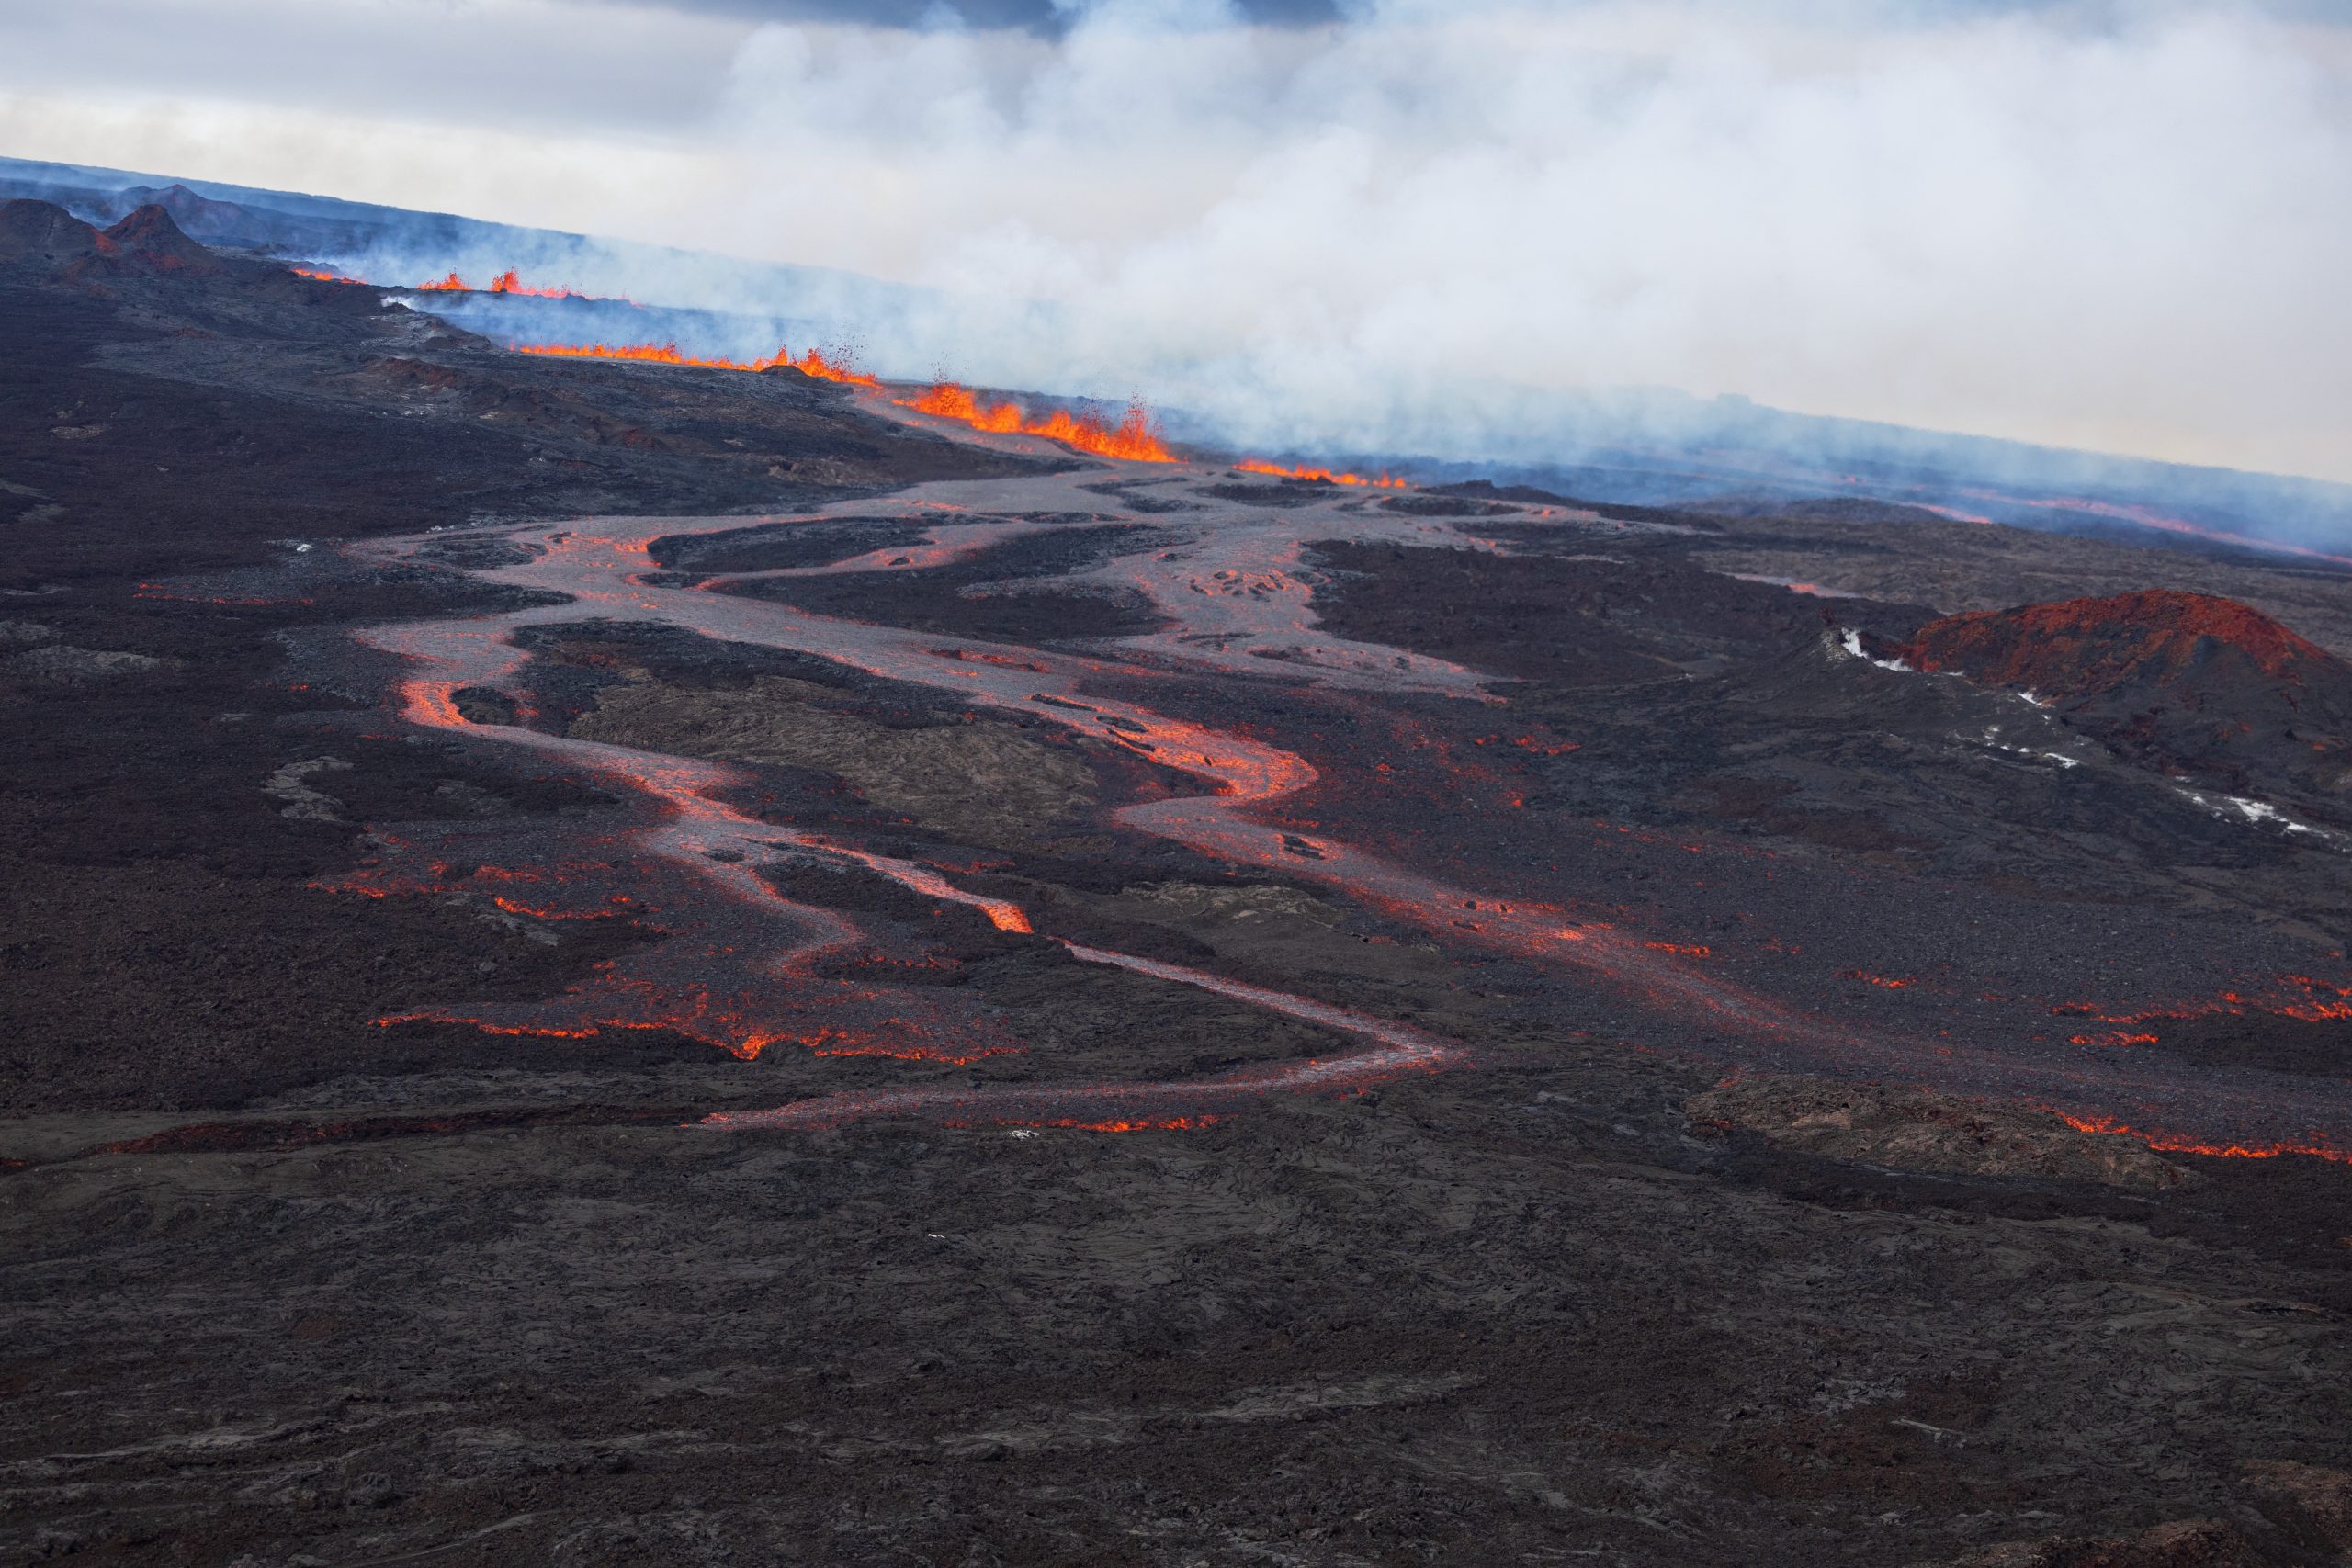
x: 1414, y: 229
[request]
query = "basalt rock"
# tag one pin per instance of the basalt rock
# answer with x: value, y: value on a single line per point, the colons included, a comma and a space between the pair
x: 2183, y: 1543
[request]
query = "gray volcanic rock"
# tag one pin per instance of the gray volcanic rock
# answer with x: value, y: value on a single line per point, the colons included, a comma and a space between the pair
x: 43, y: 234
x: 1911, y: 1129
x: 64, y: 664
x: 2183, y: 1543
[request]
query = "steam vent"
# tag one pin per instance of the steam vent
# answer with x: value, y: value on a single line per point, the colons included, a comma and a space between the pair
x: 1094, y: 784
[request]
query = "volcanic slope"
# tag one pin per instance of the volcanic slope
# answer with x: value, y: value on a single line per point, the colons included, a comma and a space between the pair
x: 1954, y: 564
x: 1011, y: 1011
x: 233, y: 418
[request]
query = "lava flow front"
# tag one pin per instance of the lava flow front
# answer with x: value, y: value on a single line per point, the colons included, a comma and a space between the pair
x: 1132, y: 439
x: 1323, y: 476
x: 835, y: 367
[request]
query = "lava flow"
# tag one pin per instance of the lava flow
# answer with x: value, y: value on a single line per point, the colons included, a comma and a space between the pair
x: 606, y: 576
x: 2299, y: 997
x: 814, y: 362
x: 1324, y: 476
x: 1131, y: 440
x: 2173, y: 1142
x: 739, y: 970
x: 737, y: 967
x: 1396, y: 1049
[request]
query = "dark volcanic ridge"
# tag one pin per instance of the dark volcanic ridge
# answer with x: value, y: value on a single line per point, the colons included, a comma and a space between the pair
x: 35, y: 233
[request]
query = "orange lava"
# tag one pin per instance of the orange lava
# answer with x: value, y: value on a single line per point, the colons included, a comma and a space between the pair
x: 2169, y: 1144
x: 695, y: 1017
x: 1159, y: 1125
x: 2297, y: 997
x: 815, y: 362
x: 431, y: 702
x: 452, y: 283
x: 508, y: 283
x: 1131, y: 440
x: 840, y: 1043
x: 1891, y: 983
x: 1253, y: 466
x: 319, y: 276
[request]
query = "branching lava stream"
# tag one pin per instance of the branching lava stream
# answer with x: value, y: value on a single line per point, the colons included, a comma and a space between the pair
x: 737, y: 965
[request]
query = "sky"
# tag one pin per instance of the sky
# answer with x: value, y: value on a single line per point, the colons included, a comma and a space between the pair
x: 2125, y: 227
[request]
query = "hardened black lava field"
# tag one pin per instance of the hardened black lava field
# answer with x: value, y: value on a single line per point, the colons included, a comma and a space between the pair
x: 638, y: 963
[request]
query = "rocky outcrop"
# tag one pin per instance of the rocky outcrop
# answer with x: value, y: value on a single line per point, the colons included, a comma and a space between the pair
x: 75, y: 665
x: 1914, y: 1128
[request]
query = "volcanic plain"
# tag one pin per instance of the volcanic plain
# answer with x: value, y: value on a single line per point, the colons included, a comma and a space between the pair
x: 629, y: 963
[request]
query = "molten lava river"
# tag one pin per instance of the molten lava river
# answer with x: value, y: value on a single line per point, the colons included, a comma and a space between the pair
x: 739, y: 964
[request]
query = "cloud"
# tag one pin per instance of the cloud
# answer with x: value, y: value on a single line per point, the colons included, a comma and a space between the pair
x: 2120, y: 228
x: 1033, y: 16
x: 2121, y: 233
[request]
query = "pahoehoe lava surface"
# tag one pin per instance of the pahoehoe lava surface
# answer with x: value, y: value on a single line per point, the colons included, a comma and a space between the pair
x: 621, y: 964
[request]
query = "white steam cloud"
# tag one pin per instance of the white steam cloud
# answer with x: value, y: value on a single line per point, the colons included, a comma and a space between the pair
x: 2124, y: 228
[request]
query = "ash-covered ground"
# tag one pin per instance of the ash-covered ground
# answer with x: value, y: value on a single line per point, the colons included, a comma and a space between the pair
x: 616, y: 964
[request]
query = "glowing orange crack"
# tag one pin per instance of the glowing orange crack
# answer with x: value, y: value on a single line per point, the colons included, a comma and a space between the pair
x: 836, y: 367
x: 2170, y: 1144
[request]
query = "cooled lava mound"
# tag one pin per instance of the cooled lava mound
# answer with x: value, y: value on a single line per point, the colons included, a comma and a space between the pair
x: 2091, y: 648
x: 37, y: 233
x: 2186, y: 683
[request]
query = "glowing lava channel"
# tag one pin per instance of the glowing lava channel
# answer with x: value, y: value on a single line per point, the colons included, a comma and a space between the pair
x: 1397, y: 1050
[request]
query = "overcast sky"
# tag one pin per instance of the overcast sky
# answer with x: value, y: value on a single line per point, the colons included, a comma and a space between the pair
x: 2123, y: 226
